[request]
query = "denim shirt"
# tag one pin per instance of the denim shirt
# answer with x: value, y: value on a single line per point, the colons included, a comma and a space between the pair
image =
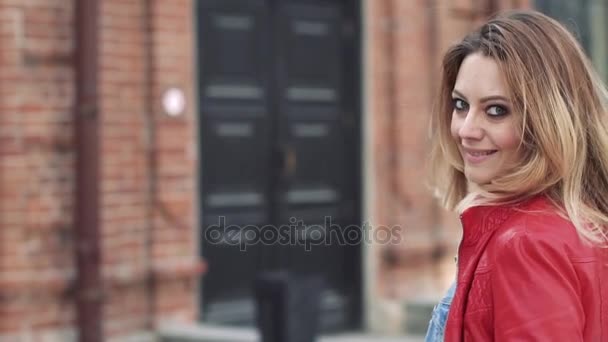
x: 440, y: 315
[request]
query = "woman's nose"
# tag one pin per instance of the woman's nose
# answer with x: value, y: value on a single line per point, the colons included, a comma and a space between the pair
x: 471, y: 126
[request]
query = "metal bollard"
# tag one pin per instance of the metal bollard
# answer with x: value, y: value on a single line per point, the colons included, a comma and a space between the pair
x: 288, y: 307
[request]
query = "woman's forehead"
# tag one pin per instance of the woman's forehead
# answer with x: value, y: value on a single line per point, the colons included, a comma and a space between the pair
x: 480, y: 77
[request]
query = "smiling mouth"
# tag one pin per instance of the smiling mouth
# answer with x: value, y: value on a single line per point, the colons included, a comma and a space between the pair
x: 475, y: 157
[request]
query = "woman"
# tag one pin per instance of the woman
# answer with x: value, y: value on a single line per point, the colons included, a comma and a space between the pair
x: 521, y: 151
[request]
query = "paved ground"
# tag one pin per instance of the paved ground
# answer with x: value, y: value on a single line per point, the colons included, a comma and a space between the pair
x: 207, y: 333
x: 370, y: 338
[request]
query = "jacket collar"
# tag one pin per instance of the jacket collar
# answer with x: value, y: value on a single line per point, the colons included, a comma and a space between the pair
x: 479, y: 220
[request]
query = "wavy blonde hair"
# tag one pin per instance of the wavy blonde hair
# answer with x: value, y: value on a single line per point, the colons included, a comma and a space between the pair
x: 561, y: 106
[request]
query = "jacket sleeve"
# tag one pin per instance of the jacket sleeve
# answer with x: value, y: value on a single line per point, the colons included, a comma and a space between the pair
x: 534, y: 289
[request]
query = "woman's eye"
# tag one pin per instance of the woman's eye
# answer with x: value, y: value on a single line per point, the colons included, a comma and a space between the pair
x: 497, y: 110
x: 459, y: 104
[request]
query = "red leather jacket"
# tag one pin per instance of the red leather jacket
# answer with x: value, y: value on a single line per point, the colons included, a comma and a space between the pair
x: 525, y: 275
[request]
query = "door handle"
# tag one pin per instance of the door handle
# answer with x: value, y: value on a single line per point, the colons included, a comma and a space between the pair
x: 290, y: 161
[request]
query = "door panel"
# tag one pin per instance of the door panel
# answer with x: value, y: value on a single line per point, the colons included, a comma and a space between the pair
x: 311, y: 124
x: 236, y: 146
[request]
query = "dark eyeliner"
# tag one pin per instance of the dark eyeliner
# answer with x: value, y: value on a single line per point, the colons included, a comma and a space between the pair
x: 455, y: 100
x: 504, y: 109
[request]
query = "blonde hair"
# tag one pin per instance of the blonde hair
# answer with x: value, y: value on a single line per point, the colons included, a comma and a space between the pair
x: 561, y: 106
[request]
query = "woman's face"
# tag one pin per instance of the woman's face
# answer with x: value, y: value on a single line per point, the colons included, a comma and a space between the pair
x: 483, y: 124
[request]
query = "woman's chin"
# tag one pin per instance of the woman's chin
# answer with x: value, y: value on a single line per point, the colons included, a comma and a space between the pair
x: 476, y: 179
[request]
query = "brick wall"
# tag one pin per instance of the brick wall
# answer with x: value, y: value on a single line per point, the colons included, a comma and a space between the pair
x: 149, y: 245
x: 36, y: 173
x: 148, y: 163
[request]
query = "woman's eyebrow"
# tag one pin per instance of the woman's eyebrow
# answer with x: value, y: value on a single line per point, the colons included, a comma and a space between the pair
x: 483, y: 99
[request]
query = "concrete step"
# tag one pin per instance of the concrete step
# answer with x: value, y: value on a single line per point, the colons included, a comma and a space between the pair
x: 210, y: 333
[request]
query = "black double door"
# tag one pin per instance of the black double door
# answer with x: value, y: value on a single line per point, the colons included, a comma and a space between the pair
x: 279, y: 133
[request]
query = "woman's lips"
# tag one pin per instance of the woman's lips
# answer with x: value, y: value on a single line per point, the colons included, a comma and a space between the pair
x: 477, y: 156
